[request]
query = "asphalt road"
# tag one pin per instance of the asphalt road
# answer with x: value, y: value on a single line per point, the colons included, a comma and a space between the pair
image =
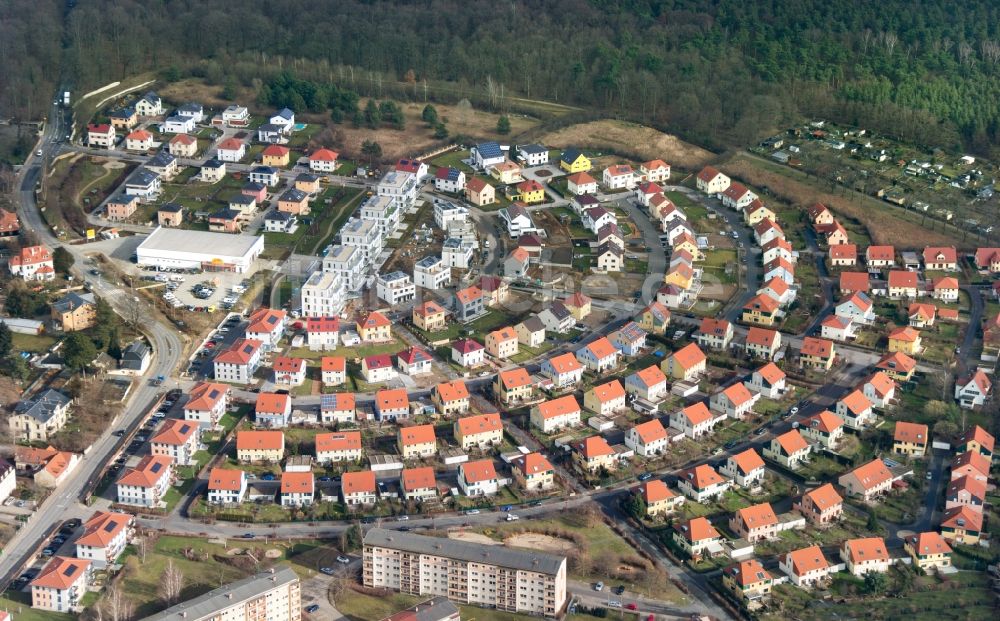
x: 167, y: 347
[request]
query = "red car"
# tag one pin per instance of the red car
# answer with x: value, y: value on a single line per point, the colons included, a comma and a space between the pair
x: 210, y: 344
x: 631, y: 606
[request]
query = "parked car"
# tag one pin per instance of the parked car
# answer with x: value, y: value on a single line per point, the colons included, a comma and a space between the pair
x: 326, y: 570
x: 645, y: 476
x: 472, y: 512
x: 599, y: 586
x: 311, y: 608
x: 343, y: 559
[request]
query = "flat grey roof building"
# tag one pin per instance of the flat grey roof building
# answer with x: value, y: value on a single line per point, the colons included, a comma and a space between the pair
x: 501, y: 556
x: 207, y: 606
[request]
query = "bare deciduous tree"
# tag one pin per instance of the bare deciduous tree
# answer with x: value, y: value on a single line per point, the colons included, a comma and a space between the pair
x: 116, y: 606
x: 964, y: 53
x: 991, y: 51
x: 171, y: 583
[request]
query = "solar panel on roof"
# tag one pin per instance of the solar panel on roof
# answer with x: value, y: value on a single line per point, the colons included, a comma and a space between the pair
x: 156, y: 467
x: 69, y: 570
x: 110, y: 526
x: 185, y: 428
x: 213, y: 393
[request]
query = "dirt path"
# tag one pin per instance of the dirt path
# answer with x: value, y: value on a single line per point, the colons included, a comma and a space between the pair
x: 349, y: 206
x: 109, y: 170
x: 473, y: 538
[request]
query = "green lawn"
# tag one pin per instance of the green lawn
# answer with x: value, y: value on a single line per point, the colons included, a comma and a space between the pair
x: 18, y: 604
x: 453, y: 159
x: 32, y: 343
x: 361, y: 607
x: 961, y: 596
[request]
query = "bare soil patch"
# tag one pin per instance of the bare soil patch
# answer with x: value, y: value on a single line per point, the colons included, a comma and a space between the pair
x: 631, y: 140
x: 883, y: 226
x: 536, y: 541
x: 462, y: 535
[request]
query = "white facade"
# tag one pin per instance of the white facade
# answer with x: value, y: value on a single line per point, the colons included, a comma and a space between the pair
x: 323, y: 295
x: 174, y: 248
x: 395, y: 288
x: 363, y: 235
x: 447, y: 213
x: 457, y: 253
x: 399, y: 185
x: 348, y: 263
x: 431, y: 273
x: 384, y: 210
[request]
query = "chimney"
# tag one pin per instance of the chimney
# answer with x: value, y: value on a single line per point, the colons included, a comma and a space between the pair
x: 229, y: 596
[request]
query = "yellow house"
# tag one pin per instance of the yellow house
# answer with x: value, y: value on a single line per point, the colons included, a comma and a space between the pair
x: 416, y: 442
x: 749, y: 581
x: 682, y: 276
x: 573, y: 161
x: 276, y: 155
x: 757, y: 212
x: 905, y: 340
x: 429, y: 316
x: 479, y: 431
x: 480, y: 193
x: 260, y: 445
x: 533, y: 472
x: 655, y: 318
x: 685, y: 363
x: 374, y: 327
x: 451, y: 397
x: 761, y: 310
x: 910, y: 439
x: 659, y: 498
x: 513, y: 385
x: 578, y: 305
x: 593, y: 454
x: 529, y: 192
x: 929, y: 550
x: 506, y: 172
x: 817, y: 353
x: 502, y: 343
x: 689, y: 245
x: 74, y: 312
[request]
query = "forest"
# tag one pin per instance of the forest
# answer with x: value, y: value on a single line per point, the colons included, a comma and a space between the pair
x: 718, y: 72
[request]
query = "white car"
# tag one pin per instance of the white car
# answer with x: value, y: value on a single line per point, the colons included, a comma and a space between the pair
x: 512, y: 518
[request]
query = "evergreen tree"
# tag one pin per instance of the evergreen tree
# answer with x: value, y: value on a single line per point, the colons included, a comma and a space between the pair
x: 440, y: 131
x: 62, y: 261
x: 6, y: 340
x: 78, y: 351
x: 373, y: 117
x: 115, y: 344
x: 503, y: 125
x: 372, y: 150
x: 429, y: 115
x: 635, y: 506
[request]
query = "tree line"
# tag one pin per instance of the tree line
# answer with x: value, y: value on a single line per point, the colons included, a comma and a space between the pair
x: 720, y: 72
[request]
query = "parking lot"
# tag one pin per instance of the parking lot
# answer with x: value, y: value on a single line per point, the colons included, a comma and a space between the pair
x: 200, y: 364
x: 197, y: 289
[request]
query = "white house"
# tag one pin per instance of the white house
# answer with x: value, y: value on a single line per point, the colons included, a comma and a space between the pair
x: 769, y: 381
x: 478, y: 478
x: 449, y: 180
x: 237, y: 364
x: 647, y: 439
x: 147, y: 483
x: 104, y: 538
x: 619, y: 177
x: 735, y: 402
x: 856, y: 307
x: 486, y: 155
x: 226, y: 486
x: 694, y: 420
x: 972, y: 391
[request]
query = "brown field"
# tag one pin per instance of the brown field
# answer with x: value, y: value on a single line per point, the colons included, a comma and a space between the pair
x: 630, y: 140
x: 884, y: 226
x: 537, y: 541
x: 415, y: 140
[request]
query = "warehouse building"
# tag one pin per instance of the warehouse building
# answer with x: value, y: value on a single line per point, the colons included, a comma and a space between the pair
x: 212, y: 252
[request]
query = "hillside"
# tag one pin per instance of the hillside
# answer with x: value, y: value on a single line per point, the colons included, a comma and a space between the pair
x: 718, y: 72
